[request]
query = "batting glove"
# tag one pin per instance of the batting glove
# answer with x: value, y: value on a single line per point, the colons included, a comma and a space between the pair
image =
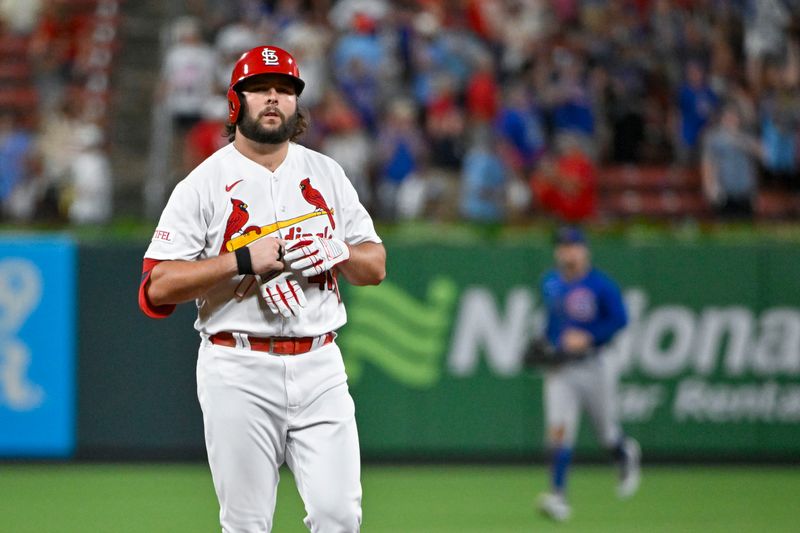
x: 315, y: 255
x: 283, y: 295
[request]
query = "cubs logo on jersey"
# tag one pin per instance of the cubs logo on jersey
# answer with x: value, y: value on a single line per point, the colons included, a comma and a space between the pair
x: 581, y: 304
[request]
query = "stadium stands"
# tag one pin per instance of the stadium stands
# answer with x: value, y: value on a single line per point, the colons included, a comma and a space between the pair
x: 651, y: 192
x: 551, y: 68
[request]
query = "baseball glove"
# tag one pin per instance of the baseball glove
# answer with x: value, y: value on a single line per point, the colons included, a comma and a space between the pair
x: 540, y: 353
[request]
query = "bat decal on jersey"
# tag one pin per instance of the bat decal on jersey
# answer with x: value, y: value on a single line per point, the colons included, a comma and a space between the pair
x: 315, y: 198
x: 236, y: 221
x: 256, y: 232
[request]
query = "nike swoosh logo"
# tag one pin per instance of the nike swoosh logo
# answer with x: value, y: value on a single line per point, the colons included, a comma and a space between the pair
x: 232, y: 185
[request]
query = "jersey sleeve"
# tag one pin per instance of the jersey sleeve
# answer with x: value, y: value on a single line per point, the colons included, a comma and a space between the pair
x: 181, y: 231
x: 180, y: 235
x: 613, y: 315
x: 359, y: 227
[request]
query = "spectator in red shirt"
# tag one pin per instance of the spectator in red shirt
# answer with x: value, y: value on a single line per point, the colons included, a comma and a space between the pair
x: 565, y: 185
x: 208, y: 135
x: 483, y: 92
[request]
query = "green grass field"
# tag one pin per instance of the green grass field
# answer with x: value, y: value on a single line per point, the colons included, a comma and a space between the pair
x: 419, y: 499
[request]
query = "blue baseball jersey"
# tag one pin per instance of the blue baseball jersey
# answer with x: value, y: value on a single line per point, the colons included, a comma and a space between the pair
x: 592, y: 303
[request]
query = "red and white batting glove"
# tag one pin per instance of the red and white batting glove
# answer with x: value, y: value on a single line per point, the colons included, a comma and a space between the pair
x: 315, y: 255
x: 283, y: 295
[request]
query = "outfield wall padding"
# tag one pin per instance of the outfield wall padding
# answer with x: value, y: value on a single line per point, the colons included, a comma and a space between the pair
x: 709, y: 364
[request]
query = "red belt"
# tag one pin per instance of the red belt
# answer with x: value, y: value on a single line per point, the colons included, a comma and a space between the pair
x: 276, y: 345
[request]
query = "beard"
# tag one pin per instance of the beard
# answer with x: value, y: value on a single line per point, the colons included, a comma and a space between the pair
x: 253, y: 130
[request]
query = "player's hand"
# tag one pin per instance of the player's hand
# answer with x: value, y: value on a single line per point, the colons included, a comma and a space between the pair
x: 283, y: 295
x: 315, y: 255
x: 575, y: 341
x: 266, y: 254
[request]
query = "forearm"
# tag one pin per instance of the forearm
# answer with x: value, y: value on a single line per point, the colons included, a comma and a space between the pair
x: 367, y: 264
x: 174, y: 282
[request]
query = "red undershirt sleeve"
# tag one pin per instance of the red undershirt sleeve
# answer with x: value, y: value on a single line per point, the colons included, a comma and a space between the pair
x: 153, y: 311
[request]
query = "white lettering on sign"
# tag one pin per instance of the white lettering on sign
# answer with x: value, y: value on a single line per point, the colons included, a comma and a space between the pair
x: 665, y: 341
x: 777, y: 350
x: 734, y: 324
x: 637, y: 403
x: 16, y: 391
x: 20, y: 294
x: 672, y: 340
x: 479, y: 327
x: 699, y: 401
x: 661, y: 342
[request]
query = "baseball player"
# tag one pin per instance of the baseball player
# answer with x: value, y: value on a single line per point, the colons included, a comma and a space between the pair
x: 257, y: 235
x: 584, y: 312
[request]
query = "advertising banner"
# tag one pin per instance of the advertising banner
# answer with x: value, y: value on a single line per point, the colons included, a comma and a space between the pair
x: 37, y: 347
x: 709, y: 365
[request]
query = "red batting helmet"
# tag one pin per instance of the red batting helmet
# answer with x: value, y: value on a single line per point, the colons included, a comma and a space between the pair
x: 261, y: 60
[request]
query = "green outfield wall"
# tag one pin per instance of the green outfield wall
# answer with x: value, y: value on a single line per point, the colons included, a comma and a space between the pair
x: 710, y: 363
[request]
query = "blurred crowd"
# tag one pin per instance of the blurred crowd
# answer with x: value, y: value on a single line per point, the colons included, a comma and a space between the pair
x: 56, y: 63
x: 502, y: 110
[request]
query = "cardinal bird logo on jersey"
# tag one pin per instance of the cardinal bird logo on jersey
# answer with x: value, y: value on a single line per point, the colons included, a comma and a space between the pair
x: 314, y: 197
x: 236, y: 221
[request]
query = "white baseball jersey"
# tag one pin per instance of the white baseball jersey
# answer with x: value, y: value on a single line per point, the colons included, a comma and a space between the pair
x: 228, y: 200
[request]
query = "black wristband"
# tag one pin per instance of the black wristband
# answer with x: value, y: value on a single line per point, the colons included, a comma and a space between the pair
x: 243, y: 262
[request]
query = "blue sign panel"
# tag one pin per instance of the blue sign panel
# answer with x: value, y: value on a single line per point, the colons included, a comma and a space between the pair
x: 37, y: 347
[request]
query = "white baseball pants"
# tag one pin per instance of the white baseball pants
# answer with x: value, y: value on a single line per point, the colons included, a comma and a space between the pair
x: 261, y: 410
x: 589, y: 384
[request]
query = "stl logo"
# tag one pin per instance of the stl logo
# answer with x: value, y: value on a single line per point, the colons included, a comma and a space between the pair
x: 270, y: 56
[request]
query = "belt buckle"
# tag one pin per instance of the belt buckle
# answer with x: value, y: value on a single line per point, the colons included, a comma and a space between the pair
x: 281, y: 342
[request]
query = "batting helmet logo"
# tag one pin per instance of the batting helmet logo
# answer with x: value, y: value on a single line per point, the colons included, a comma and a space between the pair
x: 261, y: 60
x: 270, y: 57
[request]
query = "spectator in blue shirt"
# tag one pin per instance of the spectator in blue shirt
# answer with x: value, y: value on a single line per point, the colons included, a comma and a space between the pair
x: 520, y: 129
x: 16, y: 148
x: 697, y: 104
x: 483, y: 186
x: 729, y: 167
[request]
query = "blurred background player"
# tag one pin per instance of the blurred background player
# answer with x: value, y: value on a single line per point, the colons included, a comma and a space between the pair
x: 584, y: 312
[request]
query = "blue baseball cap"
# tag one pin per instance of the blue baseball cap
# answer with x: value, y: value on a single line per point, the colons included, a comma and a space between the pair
x: 569, y: 235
